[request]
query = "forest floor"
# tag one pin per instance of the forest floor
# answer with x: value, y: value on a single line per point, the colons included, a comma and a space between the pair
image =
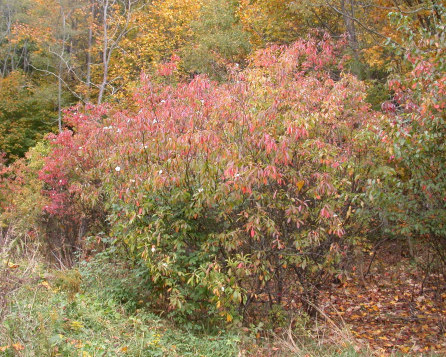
x: 396, y: 310
x: 397, y: 307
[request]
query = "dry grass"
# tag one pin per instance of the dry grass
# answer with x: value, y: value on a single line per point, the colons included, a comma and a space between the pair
x: 19, y: 262
x: 325, y: 338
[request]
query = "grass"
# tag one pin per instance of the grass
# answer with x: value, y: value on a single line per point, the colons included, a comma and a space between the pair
x: 94, y: 311
x: 47, y: 322
x: 46, y: 316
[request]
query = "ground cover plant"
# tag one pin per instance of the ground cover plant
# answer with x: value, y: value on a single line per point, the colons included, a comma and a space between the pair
x: 90, y: 311
x: 55, y: 313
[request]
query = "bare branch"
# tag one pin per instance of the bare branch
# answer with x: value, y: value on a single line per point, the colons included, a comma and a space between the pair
x: 78, y: 96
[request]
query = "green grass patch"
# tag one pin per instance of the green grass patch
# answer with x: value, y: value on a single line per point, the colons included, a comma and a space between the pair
x: 50, y: 318
x: 101, y: 308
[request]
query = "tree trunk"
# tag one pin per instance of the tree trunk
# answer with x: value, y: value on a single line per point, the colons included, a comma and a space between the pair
x: 348, y: 16
x: 105, y: 51
x: 90, y: 45
x: 59, y: 84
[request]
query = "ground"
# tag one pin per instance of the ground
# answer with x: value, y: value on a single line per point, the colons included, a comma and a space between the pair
x: 398, y: 307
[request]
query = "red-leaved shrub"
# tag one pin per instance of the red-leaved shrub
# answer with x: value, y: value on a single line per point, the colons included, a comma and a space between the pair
x: 232, y: 194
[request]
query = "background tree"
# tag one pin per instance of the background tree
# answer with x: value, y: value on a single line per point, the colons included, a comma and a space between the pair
x: 26, y: 114
x: 219, y: 39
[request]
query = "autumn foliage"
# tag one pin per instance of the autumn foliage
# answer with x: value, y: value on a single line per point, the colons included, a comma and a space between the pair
x: 228, y: 192
x: 411, y: 186
x: 271, y: 163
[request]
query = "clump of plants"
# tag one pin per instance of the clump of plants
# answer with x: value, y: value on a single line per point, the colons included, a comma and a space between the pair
x: 234, y: 195
x: 410, y: 185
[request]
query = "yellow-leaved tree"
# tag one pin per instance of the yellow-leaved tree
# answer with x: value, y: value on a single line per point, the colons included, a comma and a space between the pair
x: 156, y: 32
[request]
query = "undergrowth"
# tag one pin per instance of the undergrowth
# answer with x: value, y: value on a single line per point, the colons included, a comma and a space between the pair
x: 100, y: 308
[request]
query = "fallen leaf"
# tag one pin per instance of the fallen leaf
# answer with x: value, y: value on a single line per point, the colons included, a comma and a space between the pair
x: 18, y: 347
x: 45, y: 284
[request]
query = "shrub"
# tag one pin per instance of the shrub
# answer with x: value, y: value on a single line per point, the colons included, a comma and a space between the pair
x: 21, y: 200
x: 25, y: 215
x: 410, y: 188
x: 231, y: 194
